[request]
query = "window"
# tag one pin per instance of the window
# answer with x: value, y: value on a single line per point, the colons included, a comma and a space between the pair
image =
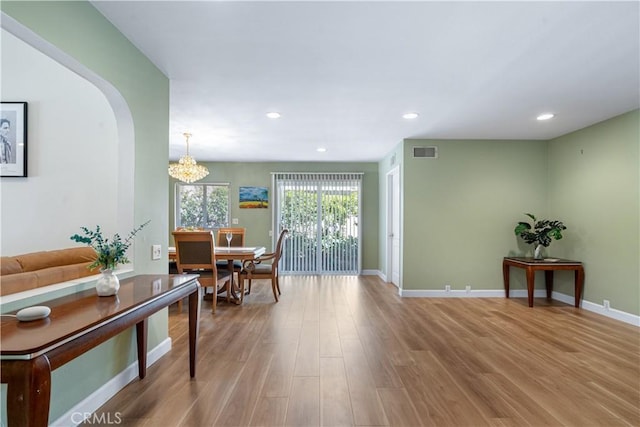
x: 202, y: 205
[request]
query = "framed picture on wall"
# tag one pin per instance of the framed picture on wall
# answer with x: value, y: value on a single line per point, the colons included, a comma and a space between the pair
x: 13, y: 139
x: 254, y: 198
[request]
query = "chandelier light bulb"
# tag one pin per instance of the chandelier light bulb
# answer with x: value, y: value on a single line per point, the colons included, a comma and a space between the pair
x: 187, y: 169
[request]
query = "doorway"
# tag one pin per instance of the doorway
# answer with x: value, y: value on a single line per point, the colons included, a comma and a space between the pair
x: 322, y: 213
x: 393, y: 226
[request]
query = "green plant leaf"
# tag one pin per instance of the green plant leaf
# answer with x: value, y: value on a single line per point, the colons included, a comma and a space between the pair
x: 542, y: 232
x: 521, y: 227
x: 108, y: 253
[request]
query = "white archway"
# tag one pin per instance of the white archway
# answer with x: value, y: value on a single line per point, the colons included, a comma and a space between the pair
x: 122, y: 113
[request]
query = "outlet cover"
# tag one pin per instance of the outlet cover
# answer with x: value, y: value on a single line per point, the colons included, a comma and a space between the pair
x: 447, y: 288
x: 234, y: 221
x: 156, y: 252
x: 468, y: 288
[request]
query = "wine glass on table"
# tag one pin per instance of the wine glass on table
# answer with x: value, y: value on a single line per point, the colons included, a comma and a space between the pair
x: 229, y: 237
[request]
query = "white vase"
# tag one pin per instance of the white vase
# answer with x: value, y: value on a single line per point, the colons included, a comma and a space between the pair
x: 107, y: 284
x: 537, y: 253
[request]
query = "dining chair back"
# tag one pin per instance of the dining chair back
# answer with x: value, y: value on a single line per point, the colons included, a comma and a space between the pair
x: 237, y: 240
x: 264, y: 267
x: 237, y: 236
x: 195, y: 253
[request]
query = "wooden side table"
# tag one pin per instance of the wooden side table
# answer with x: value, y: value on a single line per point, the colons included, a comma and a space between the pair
x: 77, y: 323
x: 548, y: 265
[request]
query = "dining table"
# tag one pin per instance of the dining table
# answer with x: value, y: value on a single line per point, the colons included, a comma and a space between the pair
x: 230, y: 254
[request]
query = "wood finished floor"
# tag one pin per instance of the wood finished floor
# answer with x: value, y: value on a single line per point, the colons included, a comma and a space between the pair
x: 341, y: 351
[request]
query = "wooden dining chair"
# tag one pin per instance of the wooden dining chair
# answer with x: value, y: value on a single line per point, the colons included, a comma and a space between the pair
x: 264, y: 267
x: 237, y: 236
x: 195, y: 253
x: 237, y: 240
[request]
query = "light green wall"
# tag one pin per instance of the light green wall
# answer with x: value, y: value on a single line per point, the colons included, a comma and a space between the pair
x: 258, y: 221
x: 77, y: 29
x: 594, y: 188
x: 460, y: 210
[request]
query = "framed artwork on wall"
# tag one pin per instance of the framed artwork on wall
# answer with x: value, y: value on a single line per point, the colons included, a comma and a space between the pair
x: 13, y: 139
x: 254, y: 197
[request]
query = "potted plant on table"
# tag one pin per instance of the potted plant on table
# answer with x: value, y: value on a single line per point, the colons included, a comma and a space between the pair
x: 109, y: 253
x: 539, y: 233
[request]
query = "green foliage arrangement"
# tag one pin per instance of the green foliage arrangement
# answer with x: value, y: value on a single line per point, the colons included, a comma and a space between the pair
x: 110, y: 252
x: 541, y: 232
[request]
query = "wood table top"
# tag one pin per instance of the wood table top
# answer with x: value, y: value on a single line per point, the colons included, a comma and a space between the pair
x: 78, y: 313
x: 548, y: 260
x: 234, y: 252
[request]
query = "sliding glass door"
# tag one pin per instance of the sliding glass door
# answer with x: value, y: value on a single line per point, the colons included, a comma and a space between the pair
x: 322, y: 213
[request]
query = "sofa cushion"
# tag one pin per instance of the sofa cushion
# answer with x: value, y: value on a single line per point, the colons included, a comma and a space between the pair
x: 75, y: 271
x: 19, y: 282
x: 9, y: 265
x: 30, y: 271
x: 46, y: 259
x: 47, y: 276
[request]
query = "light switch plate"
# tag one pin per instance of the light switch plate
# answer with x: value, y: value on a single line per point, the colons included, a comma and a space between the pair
x: 156, y: 251
x: 234, y: 221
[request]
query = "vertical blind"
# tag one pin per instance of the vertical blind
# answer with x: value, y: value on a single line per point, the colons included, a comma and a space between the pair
x: 322, y: 213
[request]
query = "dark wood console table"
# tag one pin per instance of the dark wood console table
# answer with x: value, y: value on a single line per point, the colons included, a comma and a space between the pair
x: 78, y: 323
x: 548, y: 265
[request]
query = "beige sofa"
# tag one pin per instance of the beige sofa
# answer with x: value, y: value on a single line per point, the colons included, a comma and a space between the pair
x: 34, y: 270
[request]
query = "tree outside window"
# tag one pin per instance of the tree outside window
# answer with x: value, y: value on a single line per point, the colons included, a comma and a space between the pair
x: 202, y: 205
x: 328, y: 224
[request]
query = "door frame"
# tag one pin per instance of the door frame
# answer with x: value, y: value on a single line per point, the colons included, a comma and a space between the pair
x: 393, y: 174
x: 276, y: 214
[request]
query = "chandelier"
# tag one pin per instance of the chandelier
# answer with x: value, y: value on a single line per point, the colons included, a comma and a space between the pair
x: 187, y: 170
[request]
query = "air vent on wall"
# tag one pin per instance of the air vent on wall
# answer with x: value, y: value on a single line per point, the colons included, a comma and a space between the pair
x: 425, y: 152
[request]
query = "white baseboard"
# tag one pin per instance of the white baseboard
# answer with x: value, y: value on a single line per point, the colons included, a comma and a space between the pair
x: 95, y: 400
x: 622, y: 316
x: 370, y: 273
x: 428, y: 293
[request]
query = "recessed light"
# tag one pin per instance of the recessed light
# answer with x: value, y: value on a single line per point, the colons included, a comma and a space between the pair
x: 273, y: 115
x: 410, y: 116
x: 321, y: 149
x: 545, y: 116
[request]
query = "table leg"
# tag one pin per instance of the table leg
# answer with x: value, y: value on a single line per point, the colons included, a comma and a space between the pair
x: 505, y: 275
x: 579, y: 283
x: 548, y: 282
x: 194, y: 322
x: 531, y: 274
x: 233, y: 286
x: 141, y: 338
x: 28, y: 391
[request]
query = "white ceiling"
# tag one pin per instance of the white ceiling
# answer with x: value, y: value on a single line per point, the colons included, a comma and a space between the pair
x: 343, y: 73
